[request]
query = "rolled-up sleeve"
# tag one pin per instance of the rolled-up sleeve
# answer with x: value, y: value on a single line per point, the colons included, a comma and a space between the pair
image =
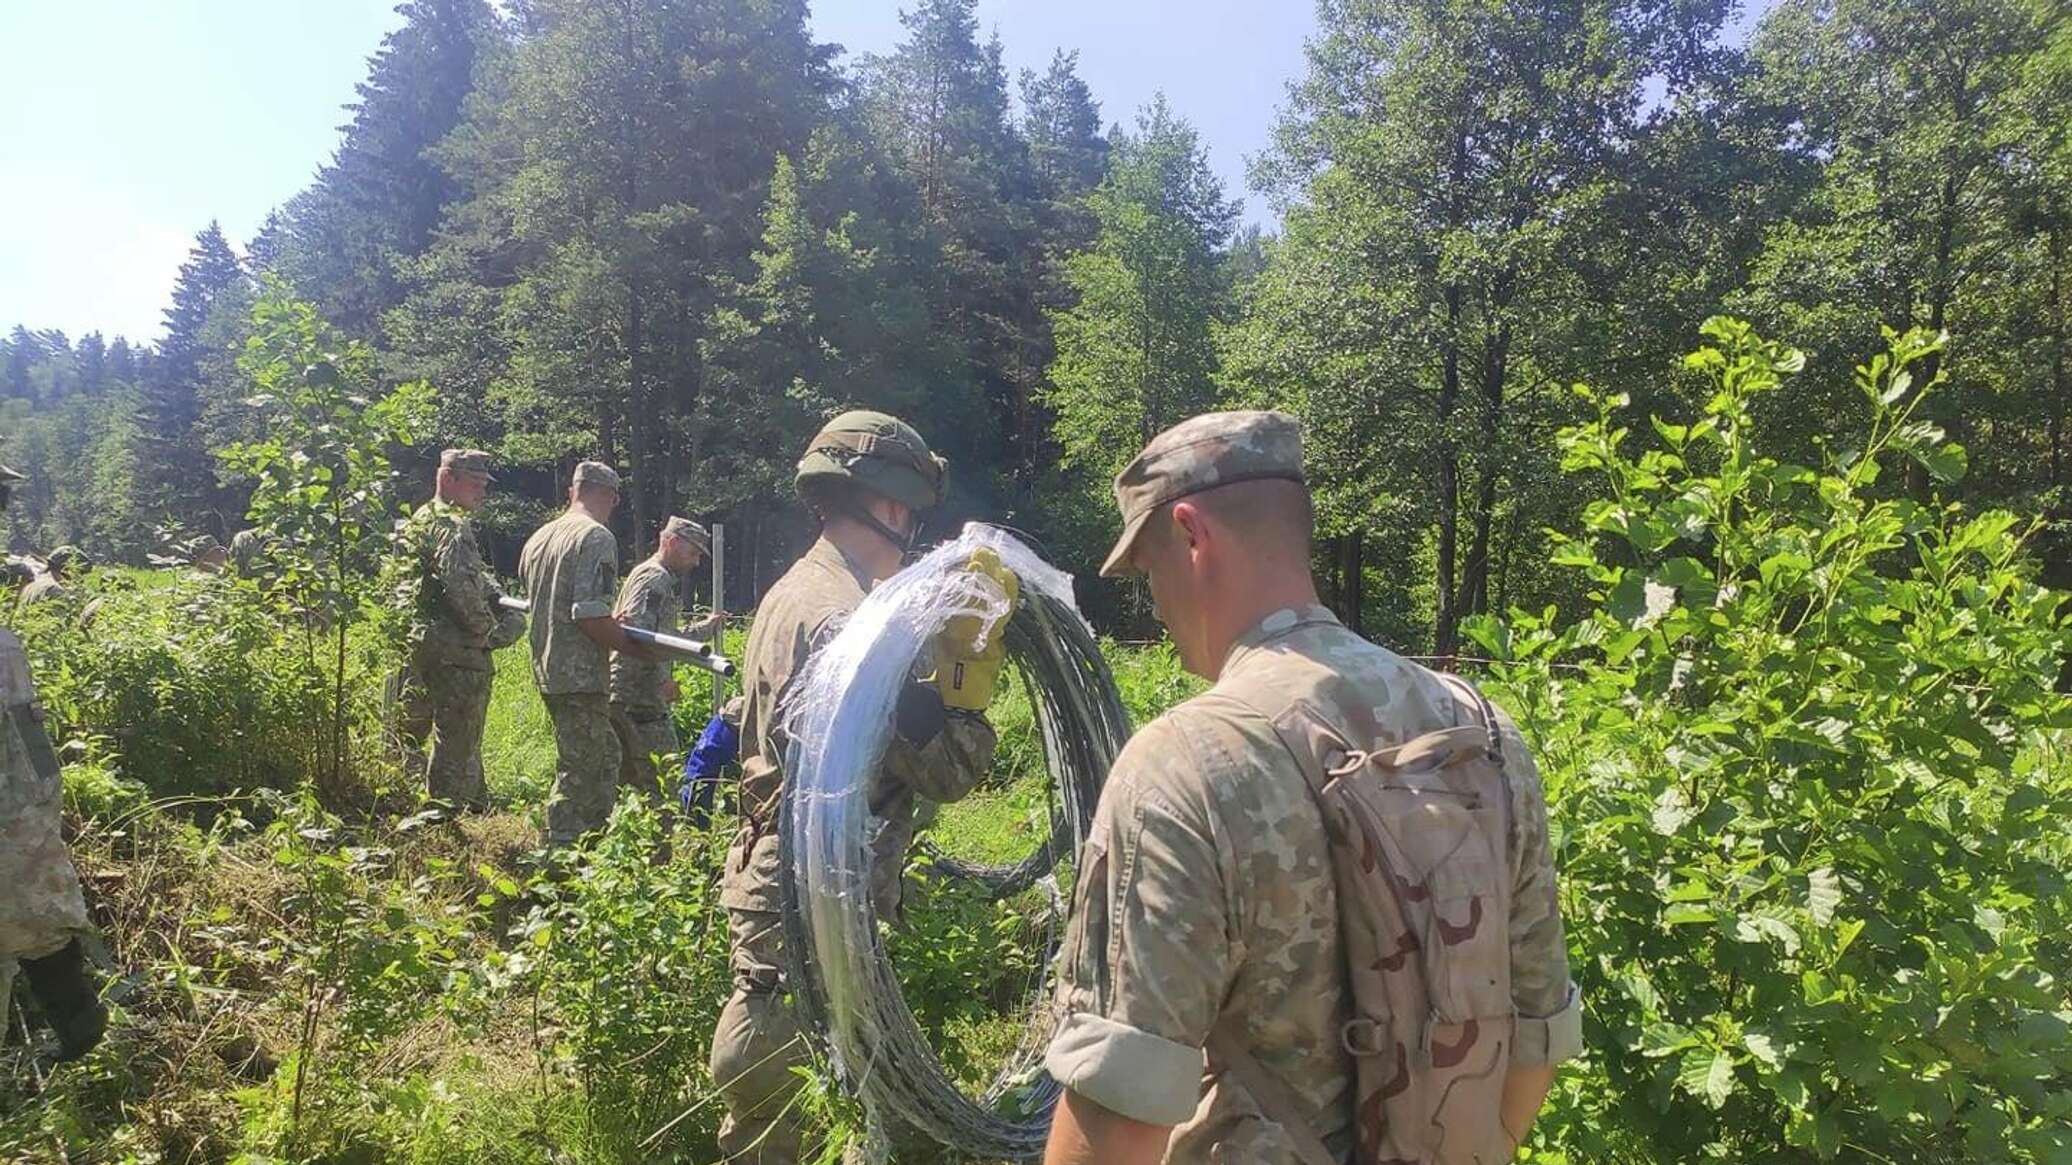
x: 1548, y: 1009
x: 1147, y: 958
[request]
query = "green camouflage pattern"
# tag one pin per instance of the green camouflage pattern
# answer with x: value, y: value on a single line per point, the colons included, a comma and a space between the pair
x: 649, y: 601
x: 588, y: 754
x: 455, y: 626
x: 1209, y: 898
x: 803, y: 610
x: 571, y: 571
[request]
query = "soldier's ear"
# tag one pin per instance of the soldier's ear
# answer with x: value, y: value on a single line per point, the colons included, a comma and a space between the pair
x: 1190, y: 526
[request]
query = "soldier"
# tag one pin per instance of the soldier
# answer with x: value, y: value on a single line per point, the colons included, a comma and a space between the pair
x: 248, y: 549
x: 1209, y: 901
x: 867, y: 477
x: 43, y: 913
x: 208, y: 555
x: 60, y: 566
x: 571, y: 570
x: 455, y: 626
x: 642, y: 691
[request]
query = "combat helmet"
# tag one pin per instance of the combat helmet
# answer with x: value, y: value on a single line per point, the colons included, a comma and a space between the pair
x: 878, y: 452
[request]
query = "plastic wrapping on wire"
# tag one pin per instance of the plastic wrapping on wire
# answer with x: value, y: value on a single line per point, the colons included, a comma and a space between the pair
x: 841, y: 720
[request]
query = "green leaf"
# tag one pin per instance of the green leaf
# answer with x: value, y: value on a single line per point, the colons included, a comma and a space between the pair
x: 1662, y: 1038
x: 1823, y: 894
x: 1708, y: 1073
x: 1759, y: 926
x: 1763, y: 1046
x: 1672, y: 811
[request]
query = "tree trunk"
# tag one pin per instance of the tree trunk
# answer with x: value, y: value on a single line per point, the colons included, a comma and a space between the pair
x: 1352, y: 567
x: 2058, y: 385
x: 1447, y: 617
x: 1496, y: 355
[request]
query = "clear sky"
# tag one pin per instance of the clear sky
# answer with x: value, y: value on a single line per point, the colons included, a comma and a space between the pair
x: 126, y: 125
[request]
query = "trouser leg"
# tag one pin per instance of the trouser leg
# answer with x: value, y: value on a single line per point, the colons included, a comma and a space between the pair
x: 646, y: 735
x: 412, y: 709
x: 586, y: 772
x: 755, y: 1047
x: 460, y: 709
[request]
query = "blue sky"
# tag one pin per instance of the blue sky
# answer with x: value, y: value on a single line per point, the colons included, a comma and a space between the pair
x: 127, y: 124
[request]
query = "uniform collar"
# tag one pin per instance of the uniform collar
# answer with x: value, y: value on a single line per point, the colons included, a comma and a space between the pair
x: 1276, y: 625
x: 826, y: 553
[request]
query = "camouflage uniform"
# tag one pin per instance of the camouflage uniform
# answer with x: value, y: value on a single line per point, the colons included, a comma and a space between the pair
x: 455, y: 626
x: 44, y: 586
x: 43, y: 908
x: 247, y: 549
x: 758, y: 1043
x: 649, y: 601
x: 571, y: 570
x: 1207, y: 901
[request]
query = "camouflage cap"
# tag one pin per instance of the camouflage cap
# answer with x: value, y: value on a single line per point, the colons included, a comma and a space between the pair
x: 467, y: 461
x: 685, y: 528
x: 1214, y: 449
x: 597, y: 473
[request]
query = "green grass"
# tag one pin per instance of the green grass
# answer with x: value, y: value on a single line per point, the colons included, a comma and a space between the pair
x: 200, y: 911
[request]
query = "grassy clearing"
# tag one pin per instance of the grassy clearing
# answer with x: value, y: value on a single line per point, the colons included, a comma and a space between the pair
x: 441, y: 996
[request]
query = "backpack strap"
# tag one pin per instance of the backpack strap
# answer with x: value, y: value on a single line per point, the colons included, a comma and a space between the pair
x: 1227, y: 1051
x: 1483, y: 711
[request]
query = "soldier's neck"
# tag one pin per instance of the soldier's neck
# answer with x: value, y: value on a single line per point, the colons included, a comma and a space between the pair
x: 1244, y: 606
x: 871, y: 552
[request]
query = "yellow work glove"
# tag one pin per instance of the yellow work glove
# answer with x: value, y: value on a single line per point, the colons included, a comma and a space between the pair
x: 966, y: 673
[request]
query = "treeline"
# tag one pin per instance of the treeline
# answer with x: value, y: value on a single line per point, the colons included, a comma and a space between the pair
x: 674, y: 236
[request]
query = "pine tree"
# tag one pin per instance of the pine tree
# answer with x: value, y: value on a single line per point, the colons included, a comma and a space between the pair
x: 264, y: 253
x: 614, y: 171
x: 1062, y: 121
x: 383, y: 193
x: 22, y: 353
x: 938, y: 105
x: 91, y: 358
x: 122, y: 361
x: 174, y: 476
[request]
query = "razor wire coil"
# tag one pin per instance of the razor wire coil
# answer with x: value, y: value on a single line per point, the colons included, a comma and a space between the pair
x: 841, y: 974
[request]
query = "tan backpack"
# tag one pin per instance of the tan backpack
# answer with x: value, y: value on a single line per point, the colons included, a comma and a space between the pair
x: 1419, y: 836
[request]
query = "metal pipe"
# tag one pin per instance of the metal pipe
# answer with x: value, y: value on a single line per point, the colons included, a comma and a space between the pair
x: 695, y: 651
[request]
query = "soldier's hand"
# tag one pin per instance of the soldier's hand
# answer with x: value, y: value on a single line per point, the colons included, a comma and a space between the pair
x: 970, y: 650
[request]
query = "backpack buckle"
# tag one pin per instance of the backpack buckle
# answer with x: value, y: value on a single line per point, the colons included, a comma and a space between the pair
x: 1364, y: 1037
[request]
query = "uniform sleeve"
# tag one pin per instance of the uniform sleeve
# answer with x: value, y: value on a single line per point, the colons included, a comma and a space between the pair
x: 463, y: 583
x: 642, y: 602
x: 594, y: 579
x: 1147, y: 956
x: 1549, y: 1010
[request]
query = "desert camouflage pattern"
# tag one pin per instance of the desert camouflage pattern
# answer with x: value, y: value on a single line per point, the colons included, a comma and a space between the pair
x: 42, y: 907
x: 1202, y: 453
x: 588, y: 753
x: 757, y: 1040
x: 455, y: 626
x: 1210, y: 907
x: 571, y: 570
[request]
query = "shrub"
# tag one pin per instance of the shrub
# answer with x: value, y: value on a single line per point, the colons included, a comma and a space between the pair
x: 1810, y: 782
